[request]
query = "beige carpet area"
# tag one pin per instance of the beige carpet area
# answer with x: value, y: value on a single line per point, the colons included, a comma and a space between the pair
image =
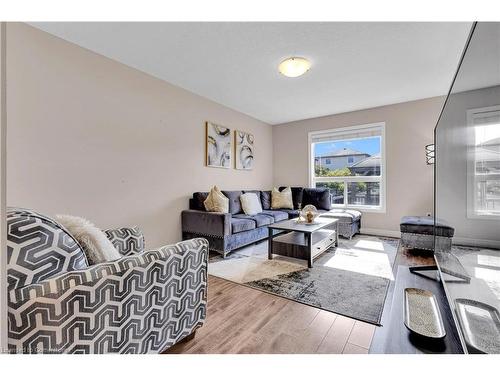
x: 251, y: 263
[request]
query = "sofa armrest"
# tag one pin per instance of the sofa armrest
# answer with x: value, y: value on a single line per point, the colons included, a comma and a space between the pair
x: 208, y: 223
x: 127, y: 240
x: 161, y: 293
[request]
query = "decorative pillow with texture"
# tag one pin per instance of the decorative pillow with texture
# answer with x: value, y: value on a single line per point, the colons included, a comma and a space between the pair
x: 216, y: 201
x: 250, y: 203
x: 97, y: 247
x: 282, y: 199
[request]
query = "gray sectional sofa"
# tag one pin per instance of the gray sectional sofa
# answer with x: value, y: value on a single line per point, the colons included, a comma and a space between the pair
x: 226, y: 232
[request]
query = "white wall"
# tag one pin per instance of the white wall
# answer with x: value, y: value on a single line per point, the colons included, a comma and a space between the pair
x: 91, y: 137
x: 3, y: 156
x: 409, y: 127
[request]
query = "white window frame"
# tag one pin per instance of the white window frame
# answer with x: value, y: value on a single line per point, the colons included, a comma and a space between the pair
x: 471, y: 168
x: 381, y: 179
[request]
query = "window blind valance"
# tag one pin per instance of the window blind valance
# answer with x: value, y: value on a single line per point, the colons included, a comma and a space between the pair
x: 346, y: 134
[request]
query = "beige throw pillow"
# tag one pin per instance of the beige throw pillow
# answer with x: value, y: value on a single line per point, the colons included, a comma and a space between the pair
x: 250, y: 203
x: 216, y: 201
x: 96, y: 245
x: 282, y: 199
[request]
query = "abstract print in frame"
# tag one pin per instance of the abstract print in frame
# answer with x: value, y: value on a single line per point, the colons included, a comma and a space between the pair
x: 244, y: 151
x: 218, y: 146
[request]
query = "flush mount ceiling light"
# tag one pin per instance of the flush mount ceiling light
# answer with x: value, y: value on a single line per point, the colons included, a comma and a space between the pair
x: 294, y: 66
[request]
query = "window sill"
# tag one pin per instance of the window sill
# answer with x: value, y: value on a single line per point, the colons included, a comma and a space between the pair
x: 377, y: 210
x: 483, y: 217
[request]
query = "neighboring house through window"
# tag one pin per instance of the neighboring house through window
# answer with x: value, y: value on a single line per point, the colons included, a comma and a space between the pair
x: 354, y: 170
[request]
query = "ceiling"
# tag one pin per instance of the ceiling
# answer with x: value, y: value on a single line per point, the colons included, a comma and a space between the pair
x: 355, y: 65
x: 480, y: 67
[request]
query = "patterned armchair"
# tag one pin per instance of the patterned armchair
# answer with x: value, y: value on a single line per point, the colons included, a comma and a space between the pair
x: 141, y: 303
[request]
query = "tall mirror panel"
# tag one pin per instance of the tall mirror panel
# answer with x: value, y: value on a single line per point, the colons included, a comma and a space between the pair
x: 467, y: 191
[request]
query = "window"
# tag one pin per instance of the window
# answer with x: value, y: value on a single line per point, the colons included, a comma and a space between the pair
x: 483, y: 165
x: 356, y: 174
x: 328, y: 161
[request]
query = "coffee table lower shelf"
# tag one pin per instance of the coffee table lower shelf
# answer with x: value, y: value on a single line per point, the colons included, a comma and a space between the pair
x: 305, y: 246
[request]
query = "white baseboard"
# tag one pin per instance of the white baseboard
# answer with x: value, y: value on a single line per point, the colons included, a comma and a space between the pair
x: 476, y: 242
x: 381, y: 232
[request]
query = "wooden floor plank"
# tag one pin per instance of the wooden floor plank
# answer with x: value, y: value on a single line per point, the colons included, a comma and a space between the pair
x: 362, y: 334
x: 354, y: 349
x: 336, y: 338
x: 246, y: 320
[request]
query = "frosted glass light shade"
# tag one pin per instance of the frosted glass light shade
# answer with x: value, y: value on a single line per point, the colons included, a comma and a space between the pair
x: 294, y: 66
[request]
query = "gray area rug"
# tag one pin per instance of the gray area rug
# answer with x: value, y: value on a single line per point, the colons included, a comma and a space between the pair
x: 351, y: 280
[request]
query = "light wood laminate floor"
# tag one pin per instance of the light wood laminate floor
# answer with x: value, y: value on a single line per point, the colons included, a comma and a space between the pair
x: 245, y: 320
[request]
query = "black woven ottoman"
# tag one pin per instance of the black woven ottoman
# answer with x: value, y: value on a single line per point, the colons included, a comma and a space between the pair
x: 420, y: 232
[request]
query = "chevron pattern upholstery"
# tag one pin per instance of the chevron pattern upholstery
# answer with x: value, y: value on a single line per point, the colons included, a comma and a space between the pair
x: 39, y: 248
x: 127, y: 240
x: 142, y: 303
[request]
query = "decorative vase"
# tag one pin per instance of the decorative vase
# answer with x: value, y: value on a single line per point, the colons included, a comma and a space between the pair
x: 309, y: 213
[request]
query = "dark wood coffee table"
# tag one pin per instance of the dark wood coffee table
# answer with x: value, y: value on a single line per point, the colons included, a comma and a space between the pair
x: 302, y: 241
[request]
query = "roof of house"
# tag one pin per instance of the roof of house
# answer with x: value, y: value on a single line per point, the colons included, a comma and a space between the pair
x: 371, y: 162
x: 344, y: 152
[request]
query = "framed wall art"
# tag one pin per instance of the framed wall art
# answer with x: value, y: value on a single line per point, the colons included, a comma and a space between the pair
x: 218, y: 146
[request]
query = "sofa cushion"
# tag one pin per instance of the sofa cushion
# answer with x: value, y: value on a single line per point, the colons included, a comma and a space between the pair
x: 278, y: 215
x: 344, y: 216
x: 234, y: 200
x: 318, y: 197
x: 241, y: 225
x: 291, y: 213
x: 296, y: 195
x: 265, y: 197
x: 425, y: 225
x: 250, y: 203
x: 261, y: 220
x: 198, y: 200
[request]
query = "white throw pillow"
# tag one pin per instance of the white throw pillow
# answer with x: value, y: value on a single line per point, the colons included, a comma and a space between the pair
x: 97, y: 247
x: 250, y: 203
x: 216, y: 201
x: 282, y: 199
